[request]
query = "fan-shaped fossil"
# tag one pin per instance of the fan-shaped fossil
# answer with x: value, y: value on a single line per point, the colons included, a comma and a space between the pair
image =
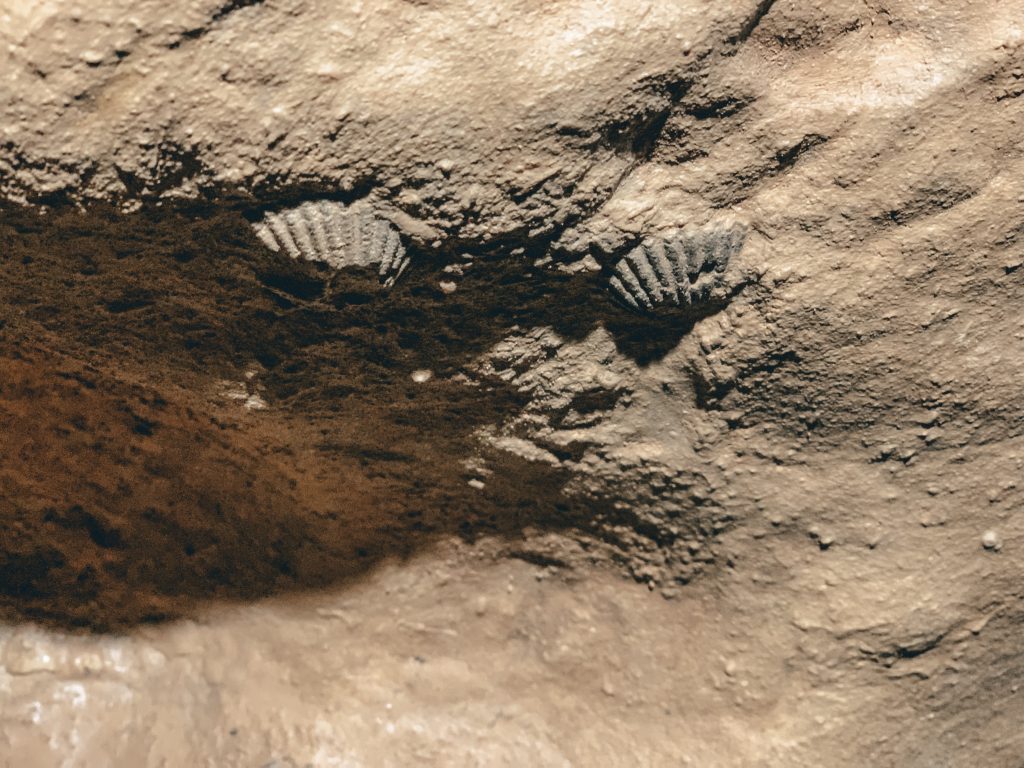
x: 337, y: 235
x: 679, y: 270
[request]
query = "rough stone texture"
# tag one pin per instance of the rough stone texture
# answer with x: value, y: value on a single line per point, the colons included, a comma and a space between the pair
x: 829, y: 465
x: 478, y: 121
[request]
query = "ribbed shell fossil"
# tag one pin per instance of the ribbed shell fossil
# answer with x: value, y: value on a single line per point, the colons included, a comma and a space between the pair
x: 336, y: 234
x: 679, y: 270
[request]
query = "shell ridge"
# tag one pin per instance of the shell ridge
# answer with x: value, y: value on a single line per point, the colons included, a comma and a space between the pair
x: 633, y: 283
x: 315, y: 220
x: 709, y: 242
x: 663, y: 268
x: 333, y: 233
x: 677, y: 257
x: 392, y: 246
x: 266, y: 234
x: 693, y: 256
x: 378, y: 239
x: 332, y: 225
x: 299, y: 230
x: 687, y: 266
x: 280, y: 229
x: 640, y: 260
x: 622, y: 293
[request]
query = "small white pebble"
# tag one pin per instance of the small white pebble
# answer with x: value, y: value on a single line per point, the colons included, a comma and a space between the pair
x: 478, y: 484
x: 447, y: 287
x: 254, y: 403
x: 422, y: 376
x: 991, y: 540
x: 92, y: 58
x: 328, y: 71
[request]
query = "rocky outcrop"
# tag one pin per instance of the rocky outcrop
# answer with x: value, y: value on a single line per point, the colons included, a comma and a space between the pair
x: 830, y: 450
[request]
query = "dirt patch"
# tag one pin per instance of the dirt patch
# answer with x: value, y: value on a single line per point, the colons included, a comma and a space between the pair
x: 188, y: 417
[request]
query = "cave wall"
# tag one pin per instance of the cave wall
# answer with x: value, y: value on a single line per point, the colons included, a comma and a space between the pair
x: 830, y: 447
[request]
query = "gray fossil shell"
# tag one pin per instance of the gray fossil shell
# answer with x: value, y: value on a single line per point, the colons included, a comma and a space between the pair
x: 679, y: 270
x: 336, y: 234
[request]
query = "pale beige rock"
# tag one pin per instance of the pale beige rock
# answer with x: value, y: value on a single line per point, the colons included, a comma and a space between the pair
x: 775, y: 462
x: 409, y: 102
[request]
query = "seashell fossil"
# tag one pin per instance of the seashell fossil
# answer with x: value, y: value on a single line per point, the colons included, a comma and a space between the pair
x: 336, y: 234
x: 679, y: 270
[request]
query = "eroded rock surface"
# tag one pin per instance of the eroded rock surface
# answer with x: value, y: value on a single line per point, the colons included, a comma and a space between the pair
x: 821, y: 470
x: 475, y: 121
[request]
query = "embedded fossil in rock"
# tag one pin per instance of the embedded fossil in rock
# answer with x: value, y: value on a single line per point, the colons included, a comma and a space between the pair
x: 336, y: 234
x: 678, y: 270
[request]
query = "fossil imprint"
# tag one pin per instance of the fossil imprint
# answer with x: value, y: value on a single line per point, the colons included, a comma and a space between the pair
x: 338, y: 235
x: 679, y: 270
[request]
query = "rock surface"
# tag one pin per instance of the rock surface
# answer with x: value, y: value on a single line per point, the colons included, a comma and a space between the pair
x: 821, y: 472
x: 478, y: 122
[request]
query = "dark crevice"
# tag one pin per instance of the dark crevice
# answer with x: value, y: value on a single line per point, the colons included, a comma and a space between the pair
x: 539, y: 559
x: 639, y: 134
x: 926, y: 201
x: 225, y: 10
x: 889, y: 657
x: 726, y: 106
x: 741, y: 186
x: 788, y: 157
x: 762, y: 9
